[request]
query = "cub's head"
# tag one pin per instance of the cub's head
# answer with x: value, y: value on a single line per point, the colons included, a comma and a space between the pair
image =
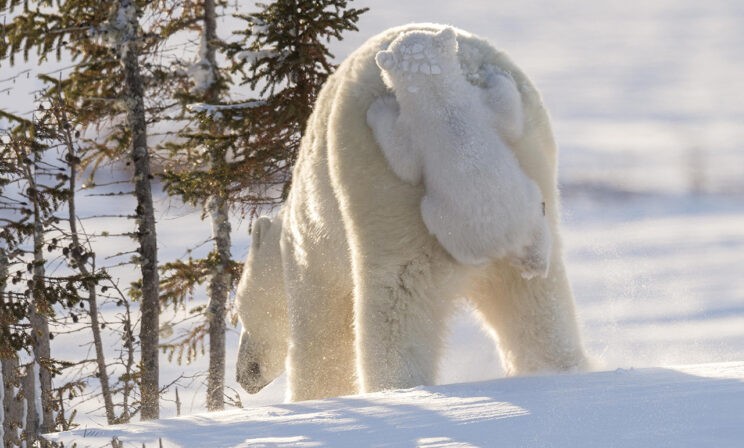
x: 417, y: 57
x: 262, y: 309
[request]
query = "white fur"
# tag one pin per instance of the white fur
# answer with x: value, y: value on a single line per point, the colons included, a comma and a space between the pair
x: 368, y: 288
x: 445, y: 131
x: 262, y: 309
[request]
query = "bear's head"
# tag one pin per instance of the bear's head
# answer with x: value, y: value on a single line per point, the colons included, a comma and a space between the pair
x: 419, y: 57
x: 262, y: 309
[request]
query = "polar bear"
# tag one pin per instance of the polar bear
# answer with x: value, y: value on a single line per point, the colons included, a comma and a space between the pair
x: 478, y: 202
x: 367, y: 288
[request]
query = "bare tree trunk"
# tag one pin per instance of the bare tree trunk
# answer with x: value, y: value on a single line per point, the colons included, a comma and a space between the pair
x: 28, y: 387
x: 12, y: 405
x: 126, y: 390
x: 3, y: 393
x: 219, y: 283
x: 219, y: 287
x: 38, y: 312
x: 12, y: 410
x: 149, y: 306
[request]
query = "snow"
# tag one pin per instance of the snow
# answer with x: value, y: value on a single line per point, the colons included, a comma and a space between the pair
x: 683, y: 406
x: 250, y: 57
x: 212, y: 109
x: 201, y: 71
x: 37, y: 392
x: 119, y: 31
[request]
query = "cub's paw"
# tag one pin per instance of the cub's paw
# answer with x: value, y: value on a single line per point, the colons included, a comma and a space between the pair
x: 534, y: 261
x: 419, y: 53
x: 532, y: 265
x: 382, y: 112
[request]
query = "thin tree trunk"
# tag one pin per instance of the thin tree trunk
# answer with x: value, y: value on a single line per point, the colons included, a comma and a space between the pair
x: 149, y: 305
x: 219, y: 283
x: 3, y: 393
x: 12, y: 406
x: 126, y: 357
x: 219, y: 287
x: 28, y: 386
x: 108, y: 402
x: 12, y: 411
x: 38, y: 313
x: 126, y: 390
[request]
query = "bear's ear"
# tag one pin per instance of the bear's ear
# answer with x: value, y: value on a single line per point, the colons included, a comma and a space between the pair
x: 447, y: 38
x: 385, y: 59
x: 260, y: 229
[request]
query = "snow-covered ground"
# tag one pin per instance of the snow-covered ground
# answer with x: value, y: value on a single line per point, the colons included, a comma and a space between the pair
x: 647, y: 107
x: 690, y: 406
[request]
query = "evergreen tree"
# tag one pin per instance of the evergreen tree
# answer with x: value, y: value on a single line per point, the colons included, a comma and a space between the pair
x: 32, y: 194
x: 247, y: 148
x: 81, y: 260
x: 125, y: 25
x: 34, y: 204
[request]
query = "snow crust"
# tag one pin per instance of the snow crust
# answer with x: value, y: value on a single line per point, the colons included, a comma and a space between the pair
x: 683, y: 406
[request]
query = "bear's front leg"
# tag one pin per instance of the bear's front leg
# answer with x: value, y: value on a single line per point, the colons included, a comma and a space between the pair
x: 382, y: 118
x: 320, y: 359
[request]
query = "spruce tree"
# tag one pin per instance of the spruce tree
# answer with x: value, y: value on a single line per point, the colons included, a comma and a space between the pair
x: 246, y: 147
x: 31, y: 196
x: 217, y: 206
x: 125, y: 24
x: 34, y: 204
x: 208, y: 86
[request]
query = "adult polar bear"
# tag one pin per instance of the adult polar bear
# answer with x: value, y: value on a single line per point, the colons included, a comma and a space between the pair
x: 368, y: 288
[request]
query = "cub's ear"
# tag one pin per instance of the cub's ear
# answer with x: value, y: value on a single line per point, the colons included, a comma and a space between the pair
x: 385, y: 59
x: 447, y: 38
x: 260, y: 229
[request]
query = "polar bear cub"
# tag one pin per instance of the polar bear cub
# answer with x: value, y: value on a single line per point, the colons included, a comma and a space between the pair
x: 452, y: 135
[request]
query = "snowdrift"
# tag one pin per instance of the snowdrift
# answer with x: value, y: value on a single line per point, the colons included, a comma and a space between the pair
x: 681, y: 406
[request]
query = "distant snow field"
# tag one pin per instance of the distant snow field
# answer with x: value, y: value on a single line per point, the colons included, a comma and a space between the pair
x: 647, y: 110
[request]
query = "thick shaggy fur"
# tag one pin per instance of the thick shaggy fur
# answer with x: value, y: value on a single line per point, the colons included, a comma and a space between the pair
x: 439, y: 129
x: 368, y: 287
